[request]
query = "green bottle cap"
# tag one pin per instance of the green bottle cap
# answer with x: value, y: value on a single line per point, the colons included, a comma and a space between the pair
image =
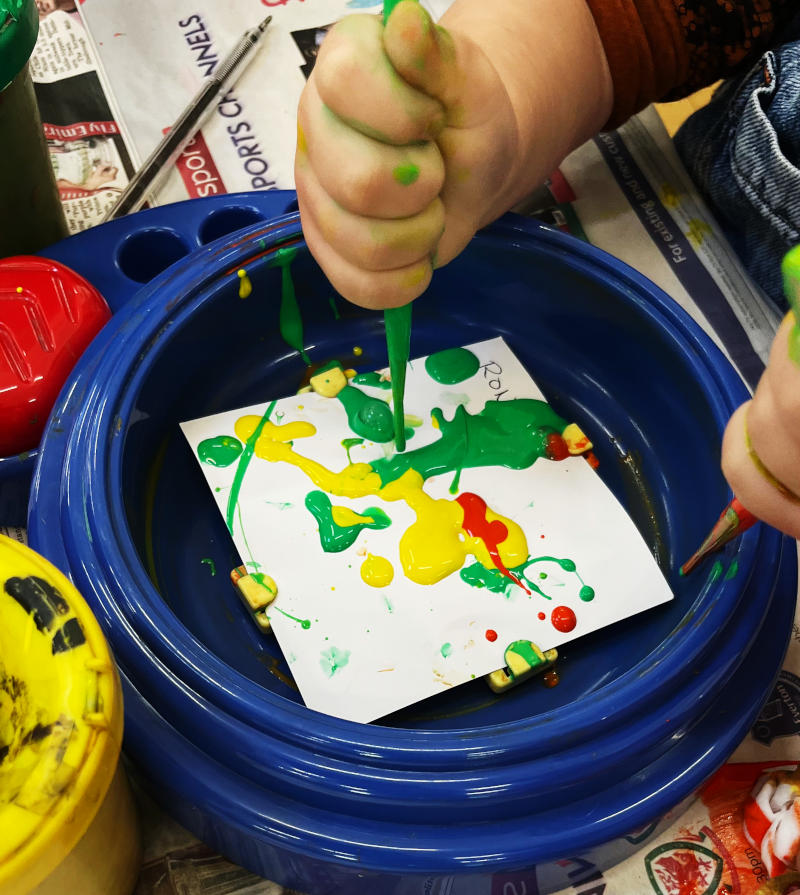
x: 19, y: 28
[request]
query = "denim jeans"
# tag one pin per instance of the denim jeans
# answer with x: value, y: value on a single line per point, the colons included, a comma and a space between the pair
x: 743, y: 151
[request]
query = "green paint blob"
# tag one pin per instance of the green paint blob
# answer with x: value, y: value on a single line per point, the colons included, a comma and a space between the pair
x: 733, y: 570
x: 791, y: 287
x: 335, y: 538
x: 244, y: 462
x: 406, y: 174
x: 373, y: 379
x: 222, y: 450
x: 586, y: 593
x: 211, y: 564
x: 446, y: 649
x: 367, y: 416
x: 333, y: 659
x: 348, y: 444
x: 452, y: 366
x: 504, y: 433
x: 290, y: 319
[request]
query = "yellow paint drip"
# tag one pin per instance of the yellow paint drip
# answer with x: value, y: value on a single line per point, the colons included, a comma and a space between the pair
x: 245, y: 286
x: 377, y: 571
x: 434, y: 546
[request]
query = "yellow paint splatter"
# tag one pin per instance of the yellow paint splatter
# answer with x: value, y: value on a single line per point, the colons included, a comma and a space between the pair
x: 697, y: 232
x: 245, y: 286
x: 376, y: 571
x: 669, y: 196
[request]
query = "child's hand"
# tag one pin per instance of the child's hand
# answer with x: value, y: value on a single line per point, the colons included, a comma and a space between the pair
x: 406, y: 136
x: 761, y: 447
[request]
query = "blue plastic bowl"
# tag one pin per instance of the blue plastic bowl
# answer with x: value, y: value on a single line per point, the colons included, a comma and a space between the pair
x: 122, y: 255
x: 466, y: 785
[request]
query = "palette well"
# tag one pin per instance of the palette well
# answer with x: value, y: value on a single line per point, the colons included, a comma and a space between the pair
x: 467, y: 786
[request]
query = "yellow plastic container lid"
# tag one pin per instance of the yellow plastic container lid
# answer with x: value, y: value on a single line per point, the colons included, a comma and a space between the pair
x: 60, y: 717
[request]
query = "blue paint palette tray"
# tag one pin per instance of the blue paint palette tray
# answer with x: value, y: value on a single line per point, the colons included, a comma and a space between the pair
x: 469, y: 790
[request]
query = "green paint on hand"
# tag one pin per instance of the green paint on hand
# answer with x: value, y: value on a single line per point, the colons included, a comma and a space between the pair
x: 333, y: 659
x: 244, y: 462
x: 406, y: 174
x: 791, y: 287
x: 290, y: 319
x: 221, y: 450
x: 333, y: 537
x: 452, y: 366
x: 446, y: 649
x: 210, y: 563
x: 504, y: 433
x: 373, y: 379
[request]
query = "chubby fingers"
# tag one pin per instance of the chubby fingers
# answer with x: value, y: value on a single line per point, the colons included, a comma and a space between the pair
x: 356, y: 80
x: 364, y: 175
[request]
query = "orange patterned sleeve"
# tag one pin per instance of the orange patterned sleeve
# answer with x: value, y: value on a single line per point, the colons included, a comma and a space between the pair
x: 664, y: 49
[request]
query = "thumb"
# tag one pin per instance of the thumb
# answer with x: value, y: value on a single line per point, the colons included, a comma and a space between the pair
x: 422, y: 53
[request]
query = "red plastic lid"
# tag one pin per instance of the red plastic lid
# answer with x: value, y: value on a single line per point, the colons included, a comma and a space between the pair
x: 48, y: 315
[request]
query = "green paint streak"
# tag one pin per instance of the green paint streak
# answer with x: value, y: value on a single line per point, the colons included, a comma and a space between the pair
x: 222, y: 450
x: 335, y: 538
x: 446, y: 649
x: 348, y: 444
x: 716, y: 571
x: 280, y: 504
x: 334, y: 308
x: 210, y: 563
x: 261, y: 578
x: 388, y: 603
x: 333, y: 659
x: 452, y: 366
x: 373, y: 379
x: 790, y: 269
x: 406, y: 174
x: 244, y: 462
x: 733, y: 570
x: 504, y: 433
x: 305, y: 623
x: 456, y: 479
x: 290, y: 319
x: 397, y: 322
x: 477, y: 575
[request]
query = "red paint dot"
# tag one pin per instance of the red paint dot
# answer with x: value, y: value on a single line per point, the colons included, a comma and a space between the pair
x: 491, y: 635
x: 542, y: 616
x: 541, y: 536
x: 563, y: 619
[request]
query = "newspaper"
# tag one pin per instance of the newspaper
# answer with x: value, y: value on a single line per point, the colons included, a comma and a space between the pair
x: 111, y: 77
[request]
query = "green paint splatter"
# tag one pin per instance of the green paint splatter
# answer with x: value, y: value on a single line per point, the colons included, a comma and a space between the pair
x: 290, y: 320
x: 716, y: 571
x: 348, y: 444
x: 452, y: 366
x: 733, y: 570
x: 335, y: 538
x: 210, y: 563
x: 504, y: 433
x: 305, y: 623
x: 446, y: 649
x: 221, y: 450
x: 791, y: 287
x: 333, y: 659
x: 406, y: 174
x: 477, y: 575
x: 367, y: 416
x: 373, y: 379
x: 244, y: 462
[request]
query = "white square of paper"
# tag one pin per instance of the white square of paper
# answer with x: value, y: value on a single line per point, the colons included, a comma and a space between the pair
x: 366, y: 651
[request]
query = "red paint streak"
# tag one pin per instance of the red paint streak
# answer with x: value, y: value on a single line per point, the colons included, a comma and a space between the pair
x: 563, y: 619
x: 491, y: 533
x: 556, y: 448
x: 491, y: 635
x: 542, y: 616
x: 592, y: 460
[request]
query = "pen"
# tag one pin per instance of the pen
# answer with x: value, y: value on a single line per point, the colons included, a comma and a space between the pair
x: 161, y: 158
x: 397, y: 323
